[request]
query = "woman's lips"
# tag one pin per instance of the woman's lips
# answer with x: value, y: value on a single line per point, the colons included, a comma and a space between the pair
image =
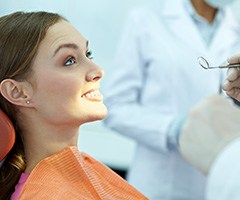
x: 93, y: 95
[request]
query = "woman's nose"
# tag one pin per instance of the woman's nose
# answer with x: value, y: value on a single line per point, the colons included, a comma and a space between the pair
x: 95, y: 73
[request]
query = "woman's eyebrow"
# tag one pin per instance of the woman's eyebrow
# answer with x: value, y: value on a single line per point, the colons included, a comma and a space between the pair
x: 69, y: 46
x: 66, y: 45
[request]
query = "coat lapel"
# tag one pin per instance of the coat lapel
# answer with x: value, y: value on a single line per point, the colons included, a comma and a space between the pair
x: 180, y: 24
x: 226, y: 33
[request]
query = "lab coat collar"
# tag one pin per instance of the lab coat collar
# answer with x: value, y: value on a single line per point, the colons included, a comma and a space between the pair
x: 226, y: 32
x: 170, y: 10
x: 177, y: 20
x: 180, y: 24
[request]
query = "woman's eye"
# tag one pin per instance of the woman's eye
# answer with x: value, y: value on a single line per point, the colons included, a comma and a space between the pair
x: 89, y: 54
x: 70, y: 61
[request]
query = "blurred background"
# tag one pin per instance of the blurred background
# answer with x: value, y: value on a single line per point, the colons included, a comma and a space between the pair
x: 101, y: 22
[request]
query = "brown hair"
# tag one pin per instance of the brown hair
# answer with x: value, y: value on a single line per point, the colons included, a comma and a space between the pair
x: 20, y: 36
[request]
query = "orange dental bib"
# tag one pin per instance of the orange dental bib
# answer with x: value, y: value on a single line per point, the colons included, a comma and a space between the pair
x: 73, y: 175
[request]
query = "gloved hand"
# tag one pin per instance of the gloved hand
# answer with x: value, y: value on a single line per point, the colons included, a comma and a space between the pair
x: 211, y: 125
x: 232, y: 83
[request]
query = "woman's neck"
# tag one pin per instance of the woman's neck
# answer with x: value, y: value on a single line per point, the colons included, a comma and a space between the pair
x: 42, y: 144
x: 204, y: 10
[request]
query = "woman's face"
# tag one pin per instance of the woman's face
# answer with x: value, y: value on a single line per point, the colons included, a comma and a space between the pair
x: 65, y: 81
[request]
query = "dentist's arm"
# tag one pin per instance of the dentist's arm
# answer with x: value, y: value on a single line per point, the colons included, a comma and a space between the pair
x: 210, y: 127
x: 210, y: 141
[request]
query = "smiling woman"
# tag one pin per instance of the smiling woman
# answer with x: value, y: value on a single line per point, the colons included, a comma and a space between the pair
x: 49, y: 87
x: 69, y: 93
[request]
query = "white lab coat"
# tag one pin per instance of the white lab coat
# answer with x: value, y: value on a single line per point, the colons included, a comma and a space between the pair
x: 223, y: 179
x: 155, y: 79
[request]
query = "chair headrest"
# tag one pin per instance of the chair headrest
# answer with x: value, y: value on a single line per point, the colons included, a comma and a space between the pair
x: 7, y: 135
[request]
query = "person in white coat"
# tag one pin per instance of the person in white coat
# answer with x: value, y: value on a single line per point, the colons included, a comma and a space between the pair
x: 210, y: 139
x: 154, y: 82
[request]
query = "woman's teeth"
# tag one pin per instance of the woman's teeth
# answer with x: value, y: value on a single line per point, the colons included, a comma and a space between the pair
x: 93, y: 95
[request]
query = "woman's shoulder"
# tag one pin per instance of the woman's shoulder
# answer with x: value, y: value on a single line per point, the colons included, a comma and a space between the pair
x: 78, y: 175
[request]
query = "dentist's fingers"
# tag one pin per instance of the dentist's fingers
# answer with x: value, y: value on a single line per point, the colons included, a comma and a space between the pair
x: 234, y: 59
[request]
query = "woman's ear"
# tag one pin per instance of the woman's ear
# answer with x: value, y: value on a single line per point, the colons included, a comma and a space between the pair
x: 15, y: 92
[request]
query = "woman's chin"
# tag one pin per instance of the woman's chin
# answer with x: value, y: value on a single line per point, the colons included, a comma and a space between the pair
x: 101, y: 115
x: 98, y: 114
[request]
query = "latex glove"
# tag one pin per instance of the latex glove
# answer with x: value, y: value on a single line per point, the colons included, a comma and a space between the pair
x: 232, y: 83
x: 211, y: 125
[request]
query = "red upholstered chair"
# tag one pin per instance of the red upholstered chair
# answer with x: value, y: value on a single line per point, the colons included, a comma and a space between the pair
x: 7, y: 135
